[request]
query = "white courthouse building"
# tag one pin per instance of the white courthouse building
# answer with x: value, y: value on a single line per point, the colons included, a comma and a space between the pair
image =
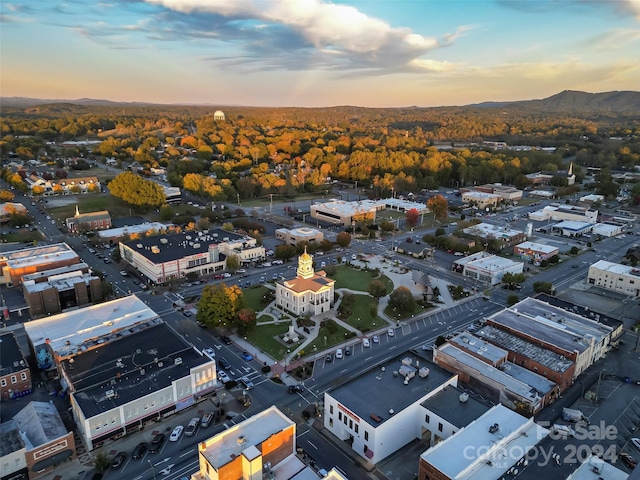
x: 308, y: 293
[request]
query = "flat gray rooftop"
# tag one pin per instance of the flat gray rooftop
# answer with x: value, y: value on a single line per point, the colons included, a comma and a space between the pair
x: 11, y: 358
x: 506, y: 340
x: 480, y: 347
x: 447, y: 405
x: 376, y: 391
x: 41, y: 423
x: 539, y: 382
x: 55, y: 271
x: 117, y: 366
x: 500, y: 377
x: 10, y: 439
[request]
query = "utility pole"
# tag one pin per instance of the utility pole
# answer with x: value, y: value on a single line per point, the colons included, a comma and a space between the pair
x: 270, y: 202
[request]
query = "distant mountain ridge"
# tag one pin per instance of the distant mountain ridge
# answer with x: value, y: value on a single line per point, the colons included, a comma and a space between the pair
x: 568, y: 101
x: 571, y: 101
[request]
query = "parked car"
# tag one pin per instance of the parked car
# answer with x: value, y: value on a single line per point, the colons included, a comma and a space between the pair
x: 246, y: 382
x: 124, y: 273
x: 376, y: 339
x: 295, y: 389
x: 328, y: 357
x: 186, y: 313
x: 223, y: 377
x: 106, y: 260
x: 391, y: 332
x: 628, y: 460
x: 339, y: 354
x: 366, y: 343
x: 347, y: 351
x: 246, y: 356
x: 156, y: 443
x: 224, y: 364
x: 139, y: 451
x: 209, y: 352
x: 207, y: 418
x: 118, y: 460
x: 192, y: 427
x: 176, y: 433
x: 226, y: 340
x: 636, y: 442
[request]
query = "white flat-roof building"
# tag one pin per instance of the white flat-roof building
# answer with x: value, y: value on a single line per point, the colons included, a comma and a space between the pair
x: 486, y: 268
x: 615, y: 277
x: 484, y: 450
x: 264, y: 443
x: 380, y: 411
x: 535, y: 252
x: 481, y: 199
x: 572, y: 228
x: 595, y: 468
x: 501, y: 236
x: 344, y: 213
x: 608, y: 229
x: 131, y: 229
x: 592, y: 198
x: 559, y: 212
x: 297, y: 235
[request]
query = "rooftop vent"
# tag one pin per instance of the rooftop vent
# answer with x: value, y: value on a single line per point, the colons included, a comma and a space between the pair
x: 155, y: 249
x: 110, y: 394
x: 391, y: 412
x: 178, y: 361
x: 494, y: 428
x: 139, y: 245
x: 241, y: 439
x: 464, y: 396
x: 164, y: 240
x: 188, y: 237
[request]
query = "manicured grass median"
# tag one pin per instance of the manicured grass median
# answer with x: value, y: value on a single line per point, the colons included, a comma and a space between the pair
x: 263, y: 338
x: 354, y: 279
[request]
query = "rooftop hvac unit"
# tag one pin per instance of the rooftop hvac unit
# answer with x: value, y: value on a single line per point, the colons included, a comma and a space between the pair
x: 423, y: 372
x: 196, y: 245
x: 110, y: 394
x: 464, y: 396
x: 225, y: 239
x: 188, y: 237
x: 215, y: 235
x: 139, y: 245
x: 241, y: 439
x: 155, y: 249
x: 164, y: 240
x: 178, y: 361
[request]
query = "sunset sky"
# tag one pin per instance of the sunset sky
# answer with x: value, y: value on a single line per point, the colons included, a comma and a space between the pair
x: 308, y: 53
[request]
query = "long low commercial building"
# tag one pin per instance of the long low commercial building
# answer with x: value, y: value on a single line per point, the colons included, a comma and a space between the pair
x: 486, y: 268
x: 580, y: 339
x: 339, y: 212
x: 17, y: 263
x: 164, y: 257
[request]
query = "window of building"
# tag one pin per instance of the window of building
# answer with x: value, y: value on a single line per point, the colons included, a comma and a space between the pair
x: 350, y: 423
x: 331, y: 409
x: 426, y: 418
x: 366, y: 435
x: 439, y: 427
x: 23, y: 376
x: 357, y: 428
x: 331, y: 422
x: 366, y: 449
x: 339, y: 415
x: 14, y: 379
x: 3, y: 382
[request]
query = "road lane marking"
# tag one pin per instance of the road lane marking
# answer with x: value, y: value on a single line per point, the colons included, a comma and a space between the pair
x: 312, y: 445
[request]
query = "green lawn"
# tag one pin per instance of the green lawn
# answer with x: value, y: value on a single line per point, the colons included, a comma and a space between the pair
x: 361, y: 317
x: 326, y: 339
x: 347, y: 277
x: 391, y: 313
x: 253, y: 297
x: 96, y: 202
x: 263, y: 338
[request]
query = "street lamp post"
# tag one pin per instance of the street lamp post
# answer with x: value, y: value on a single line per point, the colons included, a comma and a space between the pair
x: 285, y: 361
x: 153, y: 470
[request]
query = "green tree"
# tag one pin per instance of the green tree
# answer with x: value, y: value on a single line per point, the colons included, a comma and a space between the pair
x: 343, y: 239
x: 101, y: 462
x: 440, y: 231
x: 219, y: 305
x: 512, y: 300
x: 438, y: 206
x: 233, y: 263
x: 387, y: 226
x: 227, y: 227
x: 512, y: 279
x: 285, y: 252
x: 137, y: 191
x: 166, y: 213
x: 402, y: 300
x: 326, y: 245
x: 377, y: 289
x: 543, y: 287
x: 574, y: 250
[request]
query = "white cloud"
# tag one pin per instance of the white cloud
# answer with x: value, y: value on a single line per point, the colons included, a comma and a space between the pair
x: 362, y: 41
